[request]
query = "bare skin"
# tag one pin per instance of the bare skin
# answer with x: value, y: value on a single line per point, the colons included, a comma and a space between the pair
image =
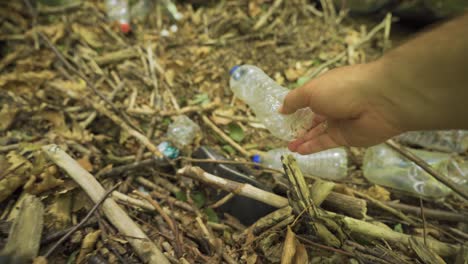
x: 420, y: 85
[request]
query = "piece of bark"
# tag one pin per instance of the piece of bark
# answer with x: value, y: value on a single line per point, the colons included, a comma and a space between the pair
x: 25, y: 234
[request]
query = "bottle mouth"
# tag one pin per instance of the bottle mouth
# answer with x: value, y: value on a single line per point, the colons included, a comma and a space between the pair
x: 233, y: 69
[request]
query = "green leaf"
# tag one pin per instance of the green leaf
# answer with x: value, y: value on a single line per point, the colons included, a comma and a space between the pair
x: 199, y: 199
x: 200, y: 99
x: 229, y: 149
x: 72, y: 258
x: 302, y: 80
x: 211, y: 214
x: 181, y: 196
x: 166, y: 121
x: 398, y: 228
x: 236, y: 132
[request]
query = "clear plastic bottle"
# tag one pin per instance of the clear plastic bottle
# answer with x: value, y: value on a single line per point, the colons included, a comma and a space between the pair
x: 182, y: 131
x: 172, y: 8
x: 264, y: 96
x: 140, y: 9
x: 330, y: 164
x: 443, y: 140
x: 117, y: 10
x: 386, y: 167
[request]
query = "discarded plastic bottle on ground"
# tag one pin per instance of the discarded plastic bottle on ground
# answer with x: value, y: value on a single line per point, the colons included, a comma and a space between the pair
x: 168, y: 150
x: 140, y: 9
x: 442, y: 140
x: 117, y: 10
x: 384, y: 166
x: 264, y: 96
x: 171, y: 7
x: 330, y: 164
x: 182, y: 131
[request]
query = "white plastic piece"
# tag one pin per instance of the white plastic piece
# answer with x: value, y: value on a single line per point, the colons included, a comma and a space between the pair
x: 182, y: 131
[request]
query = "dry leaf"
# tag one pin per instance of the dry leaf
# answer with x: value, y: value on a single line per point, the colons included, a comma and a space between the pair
x: 224, y: 112
x: 9, y: 184
x: 88, y: 244
x: 254, y: 9
x: 378, y: 193
x: 293, y: 250
x: 301, y: 254
x: 40, y: 260
x: 279, y: 78
x: 47, y: 182
x: 60, y: 210
x: 85, y: 163
x: 289, y: 248
x: 7, y: 116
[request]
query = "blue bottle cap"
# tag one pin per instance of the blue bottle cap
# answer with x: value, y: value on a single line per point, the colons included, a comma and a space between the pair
x: 233, y: 69
x: 256, y: 158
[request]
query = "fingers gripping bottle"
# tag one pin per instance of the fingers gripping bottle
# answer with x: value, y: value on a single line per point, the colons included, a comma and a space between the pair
x: 264, y: 96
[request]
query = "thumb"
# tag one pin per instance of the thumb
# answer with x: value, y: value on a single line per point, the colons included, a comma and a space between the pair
x: 296, y: 99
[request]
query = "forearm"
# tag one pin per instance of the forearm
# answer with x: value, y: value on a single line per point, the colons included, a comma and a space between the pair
x: 427, y: 78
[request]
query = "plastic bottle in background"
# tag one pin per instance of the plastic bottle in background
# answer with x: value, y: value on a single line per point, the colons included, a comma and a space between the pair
x: 140, y: 9
x: 264, y: 96
x: 172, y: 8
x: 384, y: 166
x: 182, y: 131
x: 168, y: 150
x: 330, y: 164
x: 117, y: 10
x: 443, y: 140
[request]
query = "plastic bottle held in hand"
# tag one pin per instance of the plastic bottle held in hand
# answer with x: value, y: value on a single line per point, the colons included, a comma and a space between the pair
x: 264, y: 96
x: 443, y: 140
x: 384, y: 166
x: 117, y: 10
x: 182, y: 131
x: 330, y: 164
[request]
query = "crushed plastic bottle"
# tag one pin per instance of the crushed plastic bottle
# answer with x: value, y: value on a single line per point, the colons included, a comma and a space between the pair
x: 168, y: 150
x: 117, y: 10
x: 182, y: 131
x: 264, y: 96
x: 443, y: 140
x: 330, y: 164
x: 384, y: 166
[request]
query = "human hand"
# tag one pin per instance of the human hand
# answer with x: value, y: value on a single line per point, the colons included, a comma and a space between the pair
x: 351, y: 106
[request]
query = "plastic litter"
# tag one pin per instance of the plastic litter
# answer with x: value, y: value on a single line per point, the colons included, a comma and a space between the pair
x: 264, y: 96
x: 384, y: 166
